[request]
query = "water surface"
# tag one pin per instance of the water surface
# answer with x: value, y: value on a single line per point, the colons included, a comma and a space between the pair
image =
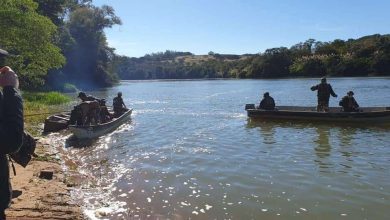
x: 190, y: 152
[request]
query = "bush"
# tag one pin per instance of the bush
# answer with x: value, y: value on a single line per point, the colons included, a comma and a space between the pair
x: 50, y: 98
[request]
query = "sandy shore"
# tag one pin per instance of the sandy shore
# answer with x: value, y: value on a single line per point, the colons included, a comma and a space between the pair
x: 37, y: 198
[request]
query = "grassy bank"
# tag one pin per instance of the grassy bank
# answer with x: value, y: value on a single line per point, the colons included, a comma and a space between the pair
x: 39, y: 105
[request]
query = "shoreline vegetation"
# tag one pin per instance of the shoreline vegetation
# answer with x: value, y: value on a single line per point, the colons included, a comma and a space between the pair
x: 39, y: 105
x: 74, y: 52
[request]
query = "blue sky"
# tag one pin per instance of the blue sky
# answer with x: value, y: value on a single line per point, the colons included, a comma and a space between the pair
x: 238, y: 27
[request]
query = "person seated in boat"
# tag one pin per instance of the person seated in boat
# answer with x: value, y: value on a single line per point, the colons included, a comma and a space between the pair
x: 105, y: 115
x: 119, y: 105
x: 349, y: 103
x: 267, y: 103
x: 324, y: 90
x: 84, y: 97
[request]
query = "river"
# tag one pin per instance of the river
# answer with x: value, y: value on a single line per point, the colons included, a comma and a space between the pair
x: 190, y: 152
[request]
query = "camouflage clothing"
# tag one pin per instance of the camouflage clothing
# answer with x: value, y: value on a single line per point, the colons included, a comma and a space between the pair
x: 119, y: 105
x: 349, y: 104
x: 324, y: 90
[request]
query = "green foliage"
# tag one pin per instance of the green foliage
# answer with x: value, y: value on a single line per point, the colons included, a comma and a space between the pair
x: 368, y: 55
x: 89, y: 59
x: 29, y: 36
x: 49, y: 98
x: 37, y: 106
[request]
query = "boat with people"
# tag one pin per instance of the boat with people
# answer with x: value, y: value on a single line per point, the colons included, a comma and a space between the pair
x: 335, y: 114
x: 93, y: 131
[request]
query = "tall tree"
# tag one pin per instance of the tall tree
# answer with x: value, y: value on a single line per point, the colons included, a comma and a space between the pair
x: 88, y: 61
x: 28, y: 35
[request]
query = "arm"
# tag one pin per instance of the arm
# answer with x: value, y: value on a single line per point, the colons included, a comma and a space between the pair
x: 11, y: 125
x: 272, y: 103
x: 355, y: 103
x: 123, y: 103
x: 262, y: 103
x: 331, y: 91
x: 11, y: 121
x: 313, y: 88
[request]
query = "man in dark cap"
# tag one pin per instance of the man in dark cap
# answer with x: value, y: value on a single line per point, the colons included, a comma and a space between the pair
x: 267, y: 103
x: 119, y: 105
x: 349, y: 103
x: 324, y: 90
x: 11, y: 128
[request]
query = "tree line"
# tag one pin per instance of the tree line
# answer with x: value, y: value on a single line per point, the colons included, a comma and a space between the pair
x: 58, y: 42
x: 366, y: 56
x: 61, y: 44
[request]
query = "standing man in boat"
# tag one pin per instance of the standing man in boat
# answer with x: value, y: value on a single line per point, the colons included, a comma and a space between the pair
x: 349, y: 103
x: 119, y: 105
x: 324, y: 90
x: 11, y: 128
x: 267, y: 103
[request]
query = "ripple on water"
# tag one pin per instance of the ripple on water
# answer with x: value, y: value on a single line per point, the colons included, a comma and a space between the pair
x: 191, y: 152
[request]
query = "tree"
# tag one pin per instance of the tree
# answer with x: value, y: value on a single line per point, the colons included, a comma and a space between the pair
x: 29, y: 36
x: 88, y: 61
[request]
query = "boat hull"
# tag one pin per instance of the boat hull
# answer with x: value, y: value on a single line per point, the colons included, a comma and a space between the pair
x: 367, y: 115
x: 57, y: 122
x: 94, y: 131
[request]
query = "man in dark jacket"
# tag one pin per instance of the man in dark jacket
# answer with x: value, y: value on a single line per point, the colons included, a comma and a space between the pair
x: 324, y: 90
x: 11, y: 130
x: 267, y: 103
x: 349, y: 103
x: 119, y: 105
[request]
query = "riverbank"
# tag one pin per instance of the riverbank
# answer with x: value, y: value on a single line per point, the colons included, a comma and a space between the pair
x: 35, y: 197
x: 40, y: 198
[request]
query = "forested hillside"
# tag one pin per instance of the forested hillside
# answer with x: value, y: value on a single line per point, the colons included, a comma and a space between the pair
x: 366, y: 56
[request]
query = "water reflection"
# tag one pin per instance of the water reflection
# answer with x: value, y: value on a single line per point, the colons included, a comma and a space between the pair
x: 322, y: 148
x: 73, y: 142
x: 267, y: 130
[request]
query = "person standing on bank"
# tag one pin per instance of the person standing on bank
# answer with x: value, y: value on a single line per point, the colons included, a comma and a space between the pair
x: 324, y: 90
x: 11, y: 129
x: 267, y: 103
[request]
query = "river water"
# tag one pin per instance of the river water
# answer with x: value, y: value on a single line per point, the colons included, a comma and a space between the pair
x: 190, y: 152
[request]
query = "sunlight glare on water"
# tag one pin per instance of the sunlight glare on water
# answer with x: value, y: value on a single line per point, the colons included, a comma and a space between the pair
x: 190, y: 152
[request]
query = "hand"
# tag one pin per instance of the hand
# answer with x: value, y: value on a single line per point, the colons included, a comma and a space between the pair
x: 8, y: 77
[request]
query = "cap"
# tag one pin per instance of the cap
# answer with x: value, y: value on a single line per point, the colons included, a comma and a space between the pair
x: 82, y: 94
x: 119, y: 93
x: 266, y: 94
x: 350, y: 93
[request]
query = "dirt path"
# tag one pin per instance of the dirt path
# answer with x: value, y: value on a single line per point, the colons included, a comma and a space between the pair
x: 38, y: 198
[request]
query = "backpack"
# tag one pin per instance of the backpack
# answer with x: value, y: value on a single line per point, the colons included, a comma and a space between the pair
x: 24, y: 155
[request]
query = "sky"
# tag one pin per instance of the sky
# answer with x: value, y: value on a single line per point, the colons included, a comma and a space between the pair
x: 239, y: 26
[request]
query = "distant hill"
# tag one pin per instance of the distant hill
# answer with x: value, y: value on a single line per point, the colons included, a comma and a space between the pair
x: 366, y: 56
